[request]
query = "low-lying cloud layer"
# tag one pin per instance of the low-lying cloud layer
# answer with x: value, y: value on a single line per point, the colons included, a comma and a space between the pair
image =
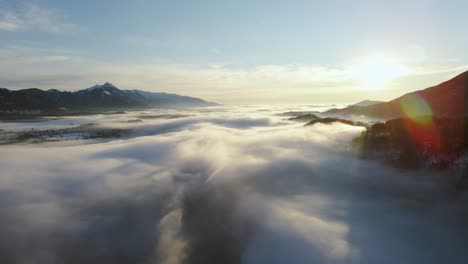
x: 229, y: 189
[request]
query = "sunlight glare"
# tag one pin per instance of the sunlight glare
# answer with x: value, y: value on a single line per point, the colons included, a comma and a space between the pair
x: 377, y: 71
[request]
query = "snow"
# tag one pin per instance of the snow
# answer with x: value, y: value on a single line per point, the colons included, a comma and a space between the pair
x: 94, y: 87
x: 97, y: 86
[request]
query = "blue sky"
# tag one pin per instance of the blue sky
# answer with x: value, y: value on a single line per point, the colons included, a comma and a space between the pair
x: 232, y: 51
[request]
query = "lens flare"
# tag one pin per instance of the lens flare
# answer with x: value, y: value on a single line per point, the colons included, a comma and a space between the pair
x: 420, y: 124
x: 417, y: 109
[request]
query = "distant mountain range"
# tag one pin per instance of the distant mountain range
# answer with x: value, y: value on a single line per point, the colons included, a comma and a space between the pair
x: 448, y: 99
x: 367, y: 103
x: 98, y: 97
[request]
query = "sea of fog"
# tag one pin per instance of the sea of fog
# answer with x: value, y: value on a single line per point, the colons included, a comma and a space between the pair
x: 224, y: 184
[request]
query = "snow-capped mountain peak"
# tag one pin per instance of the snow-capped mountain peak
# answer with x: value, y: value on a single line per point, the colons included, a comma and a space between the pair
x: 109, y: 85
x: 102, y: 86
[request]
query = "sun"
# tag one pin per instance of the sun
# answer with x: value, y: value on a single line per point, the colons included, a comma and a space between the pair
x: 377, y: 71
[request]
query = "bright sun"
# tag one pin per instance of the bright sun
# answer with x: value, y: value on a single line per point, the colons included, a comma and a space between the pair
x: 374, y: 73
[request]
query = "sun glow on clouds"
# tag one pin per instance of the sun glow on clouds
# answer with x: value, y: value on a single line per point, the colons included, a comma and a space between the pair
x: 221, y: 83
x: 377, y: 71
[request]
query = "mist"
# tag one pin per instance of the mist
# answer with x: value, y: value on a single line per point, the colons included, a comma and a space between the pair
x: 233, y: 185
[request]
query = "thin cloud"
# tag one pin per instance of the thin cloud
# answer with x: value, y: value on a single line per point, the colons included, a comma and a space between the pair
x: 269, y: 83
x: 35, y: 17
x: 439, y: 70
x: 9, y: 21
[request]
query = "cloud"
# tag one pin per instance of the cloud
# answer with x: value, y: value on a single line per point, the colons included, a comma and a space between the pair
x: 9, y: 21
x: 32, y: 16
x: 271, y: 83
x: 238, y: 191
x: 48, y: 68
x: 441, y: 70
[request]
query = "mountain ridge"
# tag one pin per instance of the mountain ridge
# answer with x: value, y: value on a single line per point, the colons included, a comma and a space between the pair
x: 446, y: 99
x: 367, y: 103
x: 97, y: 97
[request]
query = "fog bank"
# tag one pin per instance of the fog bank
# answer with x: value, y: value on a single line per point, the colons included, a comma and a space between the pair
x: 221, y: 186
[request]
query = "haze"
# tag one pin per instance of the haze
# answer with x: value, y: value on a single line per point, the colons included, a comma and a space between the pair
x: 234, y: 51
x: 233, y: 132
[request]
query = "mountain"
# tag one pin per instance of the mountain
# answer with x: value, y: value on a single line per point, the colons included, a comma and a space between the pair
x: 447, y: 99
x: 367, y: 103
x: 158, y: 99
x: 404, y: 143
x: 97, y: 97
x: 304, y: 118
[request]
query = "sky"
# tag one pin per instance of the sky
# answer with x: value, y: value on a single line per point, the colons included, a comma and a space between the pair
x: 235, y: 52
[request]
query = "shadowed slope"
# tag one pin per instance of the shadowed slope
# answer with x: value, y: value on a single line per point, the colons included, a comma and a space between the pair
x: 447, y: 99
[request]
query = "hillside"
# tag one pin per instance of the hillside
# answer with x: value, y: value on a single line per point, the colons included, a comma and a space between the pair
x: 447, y: 99
x: 367, y: 103
x: 406, y: 143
